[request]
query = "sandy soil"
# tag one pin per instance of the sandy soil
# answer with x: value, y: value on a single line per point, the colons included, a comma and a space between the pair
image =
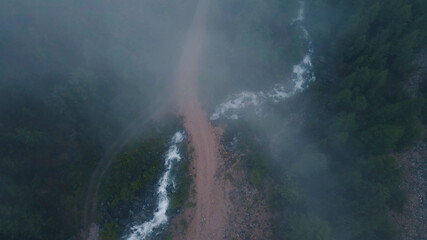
x: 209, y: 215
x: 214, y: 215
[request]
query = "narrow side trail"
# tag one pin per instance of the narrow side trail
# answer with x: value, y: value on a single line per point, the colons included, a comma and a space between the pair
x: 88, y: 221
x: 209, y: 218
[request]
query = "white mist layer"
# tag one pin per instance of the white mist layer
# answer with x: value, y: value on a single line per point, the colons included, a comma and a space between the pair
x: 142, y: 231
x: 302, y: 75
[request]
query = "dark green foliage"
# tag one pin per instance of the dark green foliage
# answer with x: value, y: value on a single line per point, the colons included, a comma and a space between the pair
x: 181, y: 194
x: 365, y: 114
x: 63, y: 101
x: 307, y: 228
x: 49, y: 145
x: 332, y: 176
x: 133, y: 175
x: 133, y: 171
x: 111, y: 231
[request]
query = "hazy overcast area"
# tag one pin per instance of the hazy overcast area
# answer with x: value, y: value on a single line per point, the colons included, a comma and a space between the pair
x: 213, y: 119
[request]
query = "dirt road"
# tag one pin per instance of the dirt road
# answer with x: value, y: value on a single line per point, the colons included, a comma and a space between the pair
x: 209, y: 219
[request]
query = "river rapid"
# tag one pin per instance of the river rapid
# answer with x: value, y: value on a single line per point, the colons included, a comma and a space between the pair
x: 140, y: 231
x: 302, y: 76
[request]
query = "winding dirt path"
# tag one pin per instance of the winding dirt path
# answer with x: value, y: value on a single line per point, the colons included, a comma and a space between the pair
x: 89, y: 227
x: 209, y: 219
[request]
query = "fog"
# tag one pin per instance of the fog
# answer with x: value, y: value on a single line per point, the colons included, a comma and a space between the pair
x: 135, y: 44
x: 308, y: 94
x: 107, y: 66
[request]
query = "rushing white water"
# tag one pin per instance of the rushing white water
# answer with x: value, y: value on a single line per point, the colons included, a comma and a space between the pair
x: 144, y: 230
x: 300, y: 16
x: 302, y: 75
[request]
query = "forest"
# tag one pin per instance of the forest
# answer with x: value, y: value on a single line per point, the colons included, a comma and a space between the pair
x: 66, y: 93
x: 340, y: 179
x: 74, y: 75
x: 332, y: 174
x: 364, y: 106
x: 128, y: 189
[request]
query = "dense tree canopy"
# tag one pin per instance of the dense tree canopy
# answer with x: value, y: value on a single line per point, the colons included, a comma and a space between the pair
x: 334, y: 176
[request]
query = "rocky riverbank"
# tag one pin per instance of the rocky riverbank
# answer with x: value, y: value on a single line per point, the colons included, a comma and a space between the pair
x: 412, y: 220
x: 248, y: 216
